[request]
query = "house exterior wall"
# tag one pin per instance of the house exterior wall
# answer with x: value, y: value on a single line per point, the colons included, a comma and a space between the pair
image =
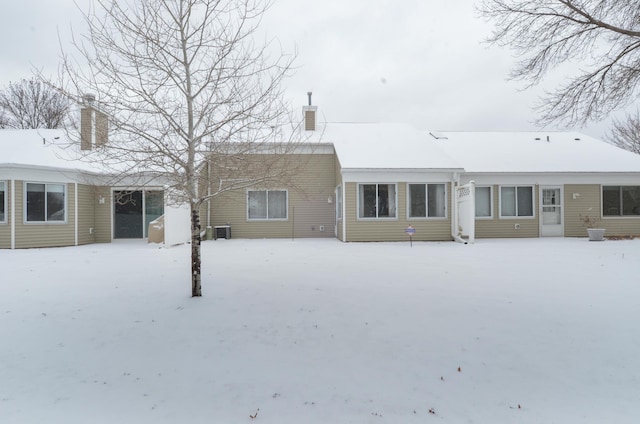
x: 5, y: 227
x: 309, y: 209
x: 588, y: 202
x: 393, y: 229
x: 103, y: 213
x: 44, y: 234
x: 86, y: 214
x: 497, y: 227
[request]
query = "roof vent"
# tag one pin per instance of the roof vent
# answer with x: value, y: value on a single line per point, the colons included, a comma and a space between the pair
x: 438, y: 135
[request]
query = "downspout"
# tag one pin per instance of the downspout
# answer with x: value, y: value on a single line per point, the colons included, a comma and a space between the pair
x: 75, y: 188
x: 344, y: 209
x: 13, y: 214
x: 455, y: 182
x: 209, y: 192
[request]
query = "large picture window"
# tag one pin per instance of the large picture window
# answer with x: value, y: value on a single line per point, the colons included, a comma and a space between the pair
x: 483, y: 202
x: 3, y: 202
x: 267, y: 204
x: 516, y: 201
x: 377, y: 201
x: 427, y: 201
x: 620, y: 200
x: 45, y: 202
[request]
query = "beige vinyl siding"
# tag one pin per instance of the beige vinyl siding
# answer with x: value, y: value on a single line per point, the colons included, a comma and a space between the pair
x: 5, y: 227
x: 436, y: 229
x: 505, y: 227
x: 102, y: 214
x: 589, y: 202
x: 307, y: 199
x: 45, y: 234
x: 87, y: 200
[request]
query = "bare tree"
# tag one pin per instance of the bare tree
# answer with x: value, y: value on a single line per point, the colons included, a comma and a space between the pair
x: 626, y: 133
x: 599, y: 38
x: 32, y: 104
x: 188, y: 91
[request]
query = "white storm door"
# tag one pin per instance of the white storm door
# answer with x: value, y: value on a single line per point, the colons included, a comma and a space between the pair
x: 551, y: 214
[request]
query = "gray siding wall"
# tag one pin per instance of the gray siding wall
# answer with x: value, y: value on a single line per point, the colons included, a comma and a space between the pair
x: 87, y: 200
x: 102, y: 214
x: 436, y: 229
x: 505, y: 227
x: 308, y: 205
x: 589, y: 202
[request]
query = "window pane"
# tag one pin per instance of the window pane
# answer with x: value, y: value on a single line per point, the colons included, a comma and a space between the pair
x: 277, y: 204
x: 508, y: 201
x: 2, y: 202
x: 611, y: 201
x: 383, y: 200
x: 367, y: 201
x: 418, y: 200
x: 631, y: 200
x: 525, y: 201
x: 391, y: 190
x: 437, y: 200
x: 55, y: 202
x: 483, y: 201
x: 153, y: 208
x: 257, y: 205
x: 35, y: 202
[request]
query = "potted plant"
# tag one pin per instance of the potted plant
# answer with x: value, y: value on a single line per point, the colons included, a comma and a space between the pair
x: 591, y: 224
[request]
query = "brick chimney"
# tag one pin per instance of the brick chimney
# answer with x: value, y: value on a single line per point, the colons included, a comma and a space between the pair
x: 94, y: 125
x: 310, y: 115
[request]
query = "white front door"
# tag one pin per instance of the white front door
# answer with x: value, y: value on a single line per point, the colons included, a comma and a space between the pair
x: 551, y: 214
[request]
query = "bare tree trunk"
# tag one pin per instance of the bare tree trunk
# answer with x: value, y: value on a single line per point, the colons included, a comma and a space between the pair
x: 196, y: 289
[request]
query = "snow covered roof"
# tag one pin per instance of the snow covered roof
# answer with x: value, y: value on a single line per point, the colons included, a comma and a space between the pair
x: 40, y: 149
x: 385, y: 146
x: 518, y: 152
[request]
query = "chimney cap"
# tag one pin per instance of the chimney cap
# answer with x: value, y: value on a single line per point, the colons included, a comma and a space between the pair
x: 89, y: 98
x: 309, y: 93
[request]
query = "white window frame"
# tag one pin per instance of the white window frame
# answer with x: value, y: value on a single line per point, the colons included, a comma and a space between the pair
x: 65, y: 191
x: 286, y: 205
x: 377, y: 218
x: 490, y: 216
x: 516, y: 216
x: 3, y: 189
x: 339, y: 203
x: 426, y: 202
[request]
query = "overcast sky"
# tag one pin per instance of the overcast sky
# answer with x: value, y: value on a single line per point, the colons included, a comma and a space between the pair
x: 421, y: 62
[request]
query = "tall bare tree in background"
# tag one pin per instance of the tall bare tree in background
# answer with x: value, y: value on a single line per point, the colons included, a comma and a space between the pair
x: 599, y: 39
x: 182, y: 82
x: 32, y: 104
x: 625, y: 133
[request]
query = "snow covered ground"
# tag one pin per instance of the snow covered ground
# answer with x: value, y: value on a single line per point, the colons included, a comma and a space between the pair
x: 317, y: 331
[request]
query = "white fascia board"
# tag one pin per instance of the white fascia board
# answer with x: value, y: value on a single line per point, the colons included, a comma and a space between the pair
x: 552, y: 178
x: 40, y: 173
x: 398, y: 175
